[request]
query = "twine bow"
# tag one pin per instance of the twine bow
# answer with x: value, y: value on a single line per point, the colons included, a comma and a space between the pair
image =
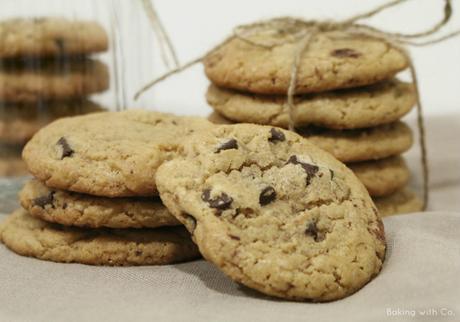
x: 303, y: 33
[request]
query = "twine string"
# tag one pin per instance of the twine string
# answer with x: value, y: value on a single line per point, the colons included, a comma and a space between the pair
x: 446, y: 17
x: 303, y: 33
x: 373, y: 12
x: 167, y: 50
x: 421, y: 136
x: 301, y: 48
x: 434, y: 41
x: 178, y: 70
x: 362, y: 32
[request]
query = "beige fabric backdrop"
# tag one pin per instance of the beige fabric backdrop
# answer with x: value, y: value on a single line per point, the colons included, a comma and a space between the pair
x: 419, y: 282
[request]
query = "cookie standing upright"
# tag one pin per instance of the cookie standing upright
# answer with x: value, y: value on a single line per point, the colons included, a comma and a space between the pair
x: 111, y: 154
x: 274, y: 212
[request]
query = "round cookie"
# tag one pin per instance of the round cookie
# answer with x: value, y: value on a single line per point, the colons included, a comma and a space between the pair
x: 400, y: 202
x: 274, y: 212
x: 74, y: 209
x: 354, y: 145
x: 112, y: 154
x: 364, y: 144
x: 19, y: 122
x: 32, y: 80
x: 343, y: 109
x: 11, y: 163
x: 44, y: 37
x: 218, y: 118
x: 382, y: 177
x: 32, y: 237
x: 333, y: 60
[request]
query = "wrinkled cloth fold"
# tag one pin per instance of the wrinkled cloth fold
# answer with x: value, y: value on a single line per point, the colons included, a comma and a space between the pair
x: 419, y: 282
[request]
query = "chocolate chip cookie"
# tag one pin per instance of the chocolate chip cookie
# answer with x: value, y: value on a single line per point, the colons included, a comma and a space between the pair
x: 32, y: 80
x: 333, y: 60
x: 364, y: 144
x: 74, y: 209
x: 274, y: 212
x: 354, y: 145
x: 401, y: 202
x: 343, y: 109
x: 218, y: 118
x: 382, y: 177
x: 112, y: 154
x: 44, y: 37
x: 32, y: 237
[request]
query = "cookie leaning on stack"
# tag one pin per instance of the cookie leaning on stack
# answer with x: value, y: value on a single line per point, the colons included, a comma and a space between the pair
x: 347, y: 99
x: 94, y: 201
x: 274, y: 212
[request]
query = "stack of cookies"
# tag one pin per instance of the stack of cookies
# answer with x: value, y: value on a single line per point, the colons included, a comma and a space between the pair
x: 348, y: 102
x: 45, y: 74
x: 94, y: 199
x: 266, y: 206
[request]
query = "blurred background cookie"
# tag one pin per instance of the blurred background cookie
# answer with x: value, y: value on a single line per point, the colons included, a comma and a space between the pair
x: 50, y: 36
x: 47, y: 72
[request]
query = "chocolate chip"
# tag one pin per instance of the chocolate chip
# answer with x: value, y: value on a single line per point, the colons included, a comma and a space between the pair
x: 310, y: 169
x: 267, y: 195
x: 312, y: 231
x: 345, y: 52
x: 138, y: 252
x: 45, y: 200
x: 234, y: 237
x: 332, y: 173
x: 66, y: 149
x: 206, y: 195
x: 228, y: 145
x: 276, y: 135
x: 221, y: 202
